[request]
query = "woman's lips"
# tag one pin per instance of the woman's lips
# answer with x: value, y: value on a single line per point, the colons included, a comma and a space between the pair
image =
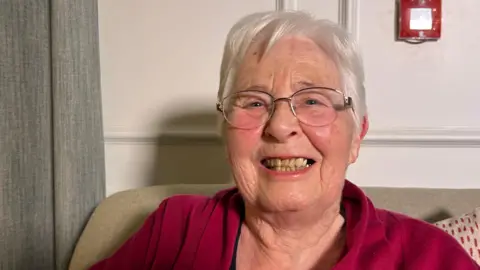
x: 287, y: 166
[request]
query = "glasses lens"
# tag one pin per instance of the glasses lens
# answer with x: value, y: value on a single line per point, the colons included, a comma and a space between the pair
x: 316, y: 107
x: 247, y: 109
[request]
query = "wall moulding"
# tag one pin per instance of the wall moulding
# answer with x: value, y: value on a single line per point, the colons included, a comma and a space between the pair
x: 348, y: 16
x: 404, y: 137
x: 348, y: 13
x: 286, y: 4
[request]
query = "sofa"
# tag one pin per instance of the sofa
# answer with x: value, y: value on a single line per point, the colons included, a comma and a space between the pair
x: 121, y: 214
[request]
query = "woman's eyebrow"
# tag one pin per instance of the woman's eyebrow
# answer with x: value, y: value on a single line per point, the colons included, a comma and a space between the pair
x: 305, y: 84
x: 256, y: 87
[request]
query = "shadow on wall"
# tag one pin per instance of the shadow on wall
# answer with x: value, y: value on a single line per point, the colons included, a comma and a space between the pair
x: 187, y: 158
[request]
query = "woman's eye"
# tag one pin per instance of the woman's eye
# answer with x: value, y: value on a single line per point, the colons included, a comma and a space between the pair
x: 249, y: 103
x: 311, y: 102
x: 255, y: 104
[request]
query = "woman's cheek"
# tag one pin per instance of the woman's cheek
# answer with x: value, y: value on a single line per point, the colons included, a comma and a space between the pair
x: 242, y: 147
x: 319, y: 137
x: 330, y: 142
x: 243, y: 143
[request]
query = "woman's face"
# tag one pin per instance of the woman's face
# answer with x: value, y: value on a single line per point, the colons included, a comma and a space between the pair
x: 292, y: 64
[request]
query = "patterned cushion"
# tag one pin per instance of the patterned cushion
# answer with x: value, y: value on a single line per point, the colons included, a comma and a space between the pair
x: 465, y: 229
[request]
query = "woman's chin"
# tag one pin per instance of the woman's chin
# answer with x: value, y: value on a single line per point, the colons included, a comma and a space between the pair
x: 287, y: 201
x: 273, y: 196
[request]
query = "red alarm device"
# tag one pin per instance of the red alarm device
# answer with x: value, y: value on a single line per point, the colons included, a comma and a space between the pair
x: 420, y: 20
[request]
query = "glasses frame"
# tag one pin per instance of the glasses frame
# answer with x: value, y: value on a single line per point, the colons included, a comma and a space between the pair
x: 347, y: 103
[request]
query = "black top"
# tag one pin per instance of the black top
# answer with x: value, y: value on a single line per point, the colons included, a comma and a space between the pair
x: 233, y: 265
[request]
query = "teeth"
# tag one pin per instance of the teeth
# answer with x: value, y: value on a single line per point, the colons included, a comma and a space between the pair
x: 286, y: 165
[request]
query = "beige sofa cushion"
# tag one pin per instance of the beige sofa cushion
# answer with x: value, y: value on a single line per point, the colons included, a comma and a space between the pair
x: 120, y: 215
x: 465, y: 228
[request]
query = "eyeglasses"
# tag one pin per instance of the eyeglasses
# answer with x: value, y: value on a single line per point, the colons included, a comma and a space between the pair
x: 314, y: 106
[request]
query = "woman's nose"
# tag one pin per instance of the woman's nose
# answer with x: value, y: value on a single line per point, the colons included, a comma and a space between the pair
x: 282, y: 124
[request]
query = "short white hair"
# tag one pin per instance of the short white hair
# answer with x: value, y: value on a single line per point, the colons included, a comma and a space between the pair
x: 272, y: 26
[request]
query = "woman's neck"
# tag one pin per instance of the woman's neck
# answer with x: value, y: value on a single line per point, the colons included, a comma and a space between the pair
x: 294, y: 240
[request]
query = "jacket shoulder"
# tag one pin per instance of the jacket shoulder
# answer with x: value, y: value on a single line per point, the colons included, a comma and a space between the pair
x: 425, y: 244
x: 186, y: 203
x: 187, y: 208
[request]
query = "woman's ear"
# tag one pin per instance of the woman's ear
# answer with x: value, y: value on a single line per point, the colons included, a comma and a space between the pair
x: 365, y: 126
x: 355, y: 148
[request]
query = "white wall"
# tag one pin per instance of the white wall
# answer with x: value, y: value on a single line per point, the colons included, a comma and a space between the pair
x: 160, y: 63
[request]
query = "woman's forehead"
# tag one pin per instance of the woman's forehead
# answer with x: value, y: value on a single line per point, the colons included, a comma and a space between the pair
x: 292, y: 60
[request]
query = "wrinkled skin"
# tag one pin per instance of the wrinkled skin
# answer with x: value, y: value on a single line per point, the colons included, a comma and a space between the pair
x: 291, y: 221
x: 289, y: 66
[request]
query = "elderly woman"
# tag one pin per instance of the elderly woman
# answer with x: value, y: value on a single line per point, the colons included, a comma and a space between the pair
x: 293, y: 112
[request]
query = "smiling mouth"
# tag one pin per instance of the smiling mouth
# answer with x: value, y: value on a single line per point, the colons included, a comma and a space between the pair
x: 287, y: 165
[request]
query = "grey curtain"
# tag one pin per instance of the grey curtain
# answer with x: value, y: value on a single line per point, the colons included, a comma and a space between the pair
x: 51, y: 135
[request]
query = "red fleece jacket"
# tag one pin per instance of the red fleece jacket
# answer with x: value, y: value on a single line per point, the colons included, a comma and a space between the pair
x: 197, y: 232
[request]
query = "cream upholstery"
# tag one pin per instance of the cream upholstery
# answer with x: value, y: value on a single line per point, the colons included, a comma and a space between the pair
x: 120, y: 215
